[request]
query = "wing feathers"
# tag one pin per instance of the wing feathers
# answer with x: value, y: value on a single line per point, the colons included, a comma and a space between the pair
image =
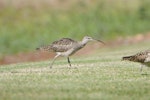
x: 139, y: 57
x: 62, y: 45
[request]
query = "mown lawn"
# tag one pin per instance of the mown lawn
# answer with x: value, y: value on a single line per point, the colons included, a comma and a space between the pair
x: 101, y: 76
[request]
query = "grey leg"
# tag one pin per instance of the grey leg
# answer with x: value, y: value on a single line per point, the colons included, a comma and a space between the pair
x: 69, y: 61
x: 141, y: 68
x: 54, y: 60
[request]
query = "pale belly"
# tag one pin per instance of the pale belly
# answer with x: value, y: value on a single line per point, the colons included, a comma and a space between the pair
x: 69, y: 52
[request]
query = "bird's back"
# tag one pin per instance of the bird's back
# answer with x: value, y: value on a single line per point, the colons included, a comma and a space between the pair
x: 141, y: 57
x: 63, y: 45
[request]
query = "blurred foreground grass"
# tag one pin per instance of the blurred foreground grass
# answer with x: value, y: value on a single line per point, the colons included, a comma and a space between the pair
x: 27, y: 24
x: 99, y: 76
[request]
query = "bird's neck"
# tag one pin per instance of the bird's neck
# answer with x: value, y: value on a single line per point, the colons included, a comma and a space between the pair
x: 83, y: 42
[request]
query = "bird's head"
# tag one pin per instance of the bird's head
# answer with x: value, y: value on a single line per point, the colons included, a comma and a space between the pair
x: 87, y: 39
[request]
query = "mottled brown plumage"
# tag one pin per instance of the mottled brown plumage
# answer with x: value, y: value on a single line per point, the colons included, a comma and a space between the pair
x: 66, y: 47
x: 141, y: 57
x: 63, y: 45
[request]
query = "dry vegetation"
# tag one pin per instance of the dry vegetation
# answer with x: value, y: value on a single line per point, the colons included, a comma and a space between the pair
x: 64, y: 3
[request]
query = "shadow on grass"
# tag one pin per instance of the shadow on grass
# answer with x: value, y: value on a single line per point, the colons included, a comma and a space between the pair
x: 145, y: 74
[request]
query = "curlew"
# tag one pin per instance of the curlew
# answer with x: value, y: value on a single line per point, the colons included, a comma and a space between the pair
x: 141, y: 57
x: 66, y: 47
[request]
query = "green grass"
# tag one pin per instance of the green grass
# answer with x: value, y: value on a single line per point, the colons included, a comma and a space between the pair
x: 101, y: 76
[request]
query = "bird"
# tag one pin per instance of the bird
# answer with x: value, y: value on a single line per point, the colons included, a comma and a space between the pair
x: 141, y: 57
x: 66, y: 47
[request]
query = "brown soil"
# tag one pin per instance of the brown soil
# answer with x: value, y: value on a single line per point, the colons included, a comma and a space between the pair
x: 87, y: 50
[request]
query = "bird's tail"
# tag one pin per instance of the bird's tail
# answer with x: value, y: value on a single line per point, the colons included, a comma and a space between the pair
x: 44, y: 48
x: 130, y: 58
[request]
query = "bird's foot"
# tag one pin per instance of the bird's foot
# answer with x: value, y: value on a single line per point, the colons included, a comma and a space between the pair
x: 50, y: 67
x: 74, y: 67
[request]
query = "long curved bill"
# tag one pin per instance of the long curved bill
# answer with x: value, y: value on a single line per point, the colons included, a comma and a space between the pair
x: 100, y: 41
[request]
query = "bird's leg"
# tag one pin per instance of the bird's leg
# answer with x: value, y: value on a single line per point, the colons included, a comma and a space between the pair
x: 54, y: 60
x: 141, y: 68
x: 69, y: 61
